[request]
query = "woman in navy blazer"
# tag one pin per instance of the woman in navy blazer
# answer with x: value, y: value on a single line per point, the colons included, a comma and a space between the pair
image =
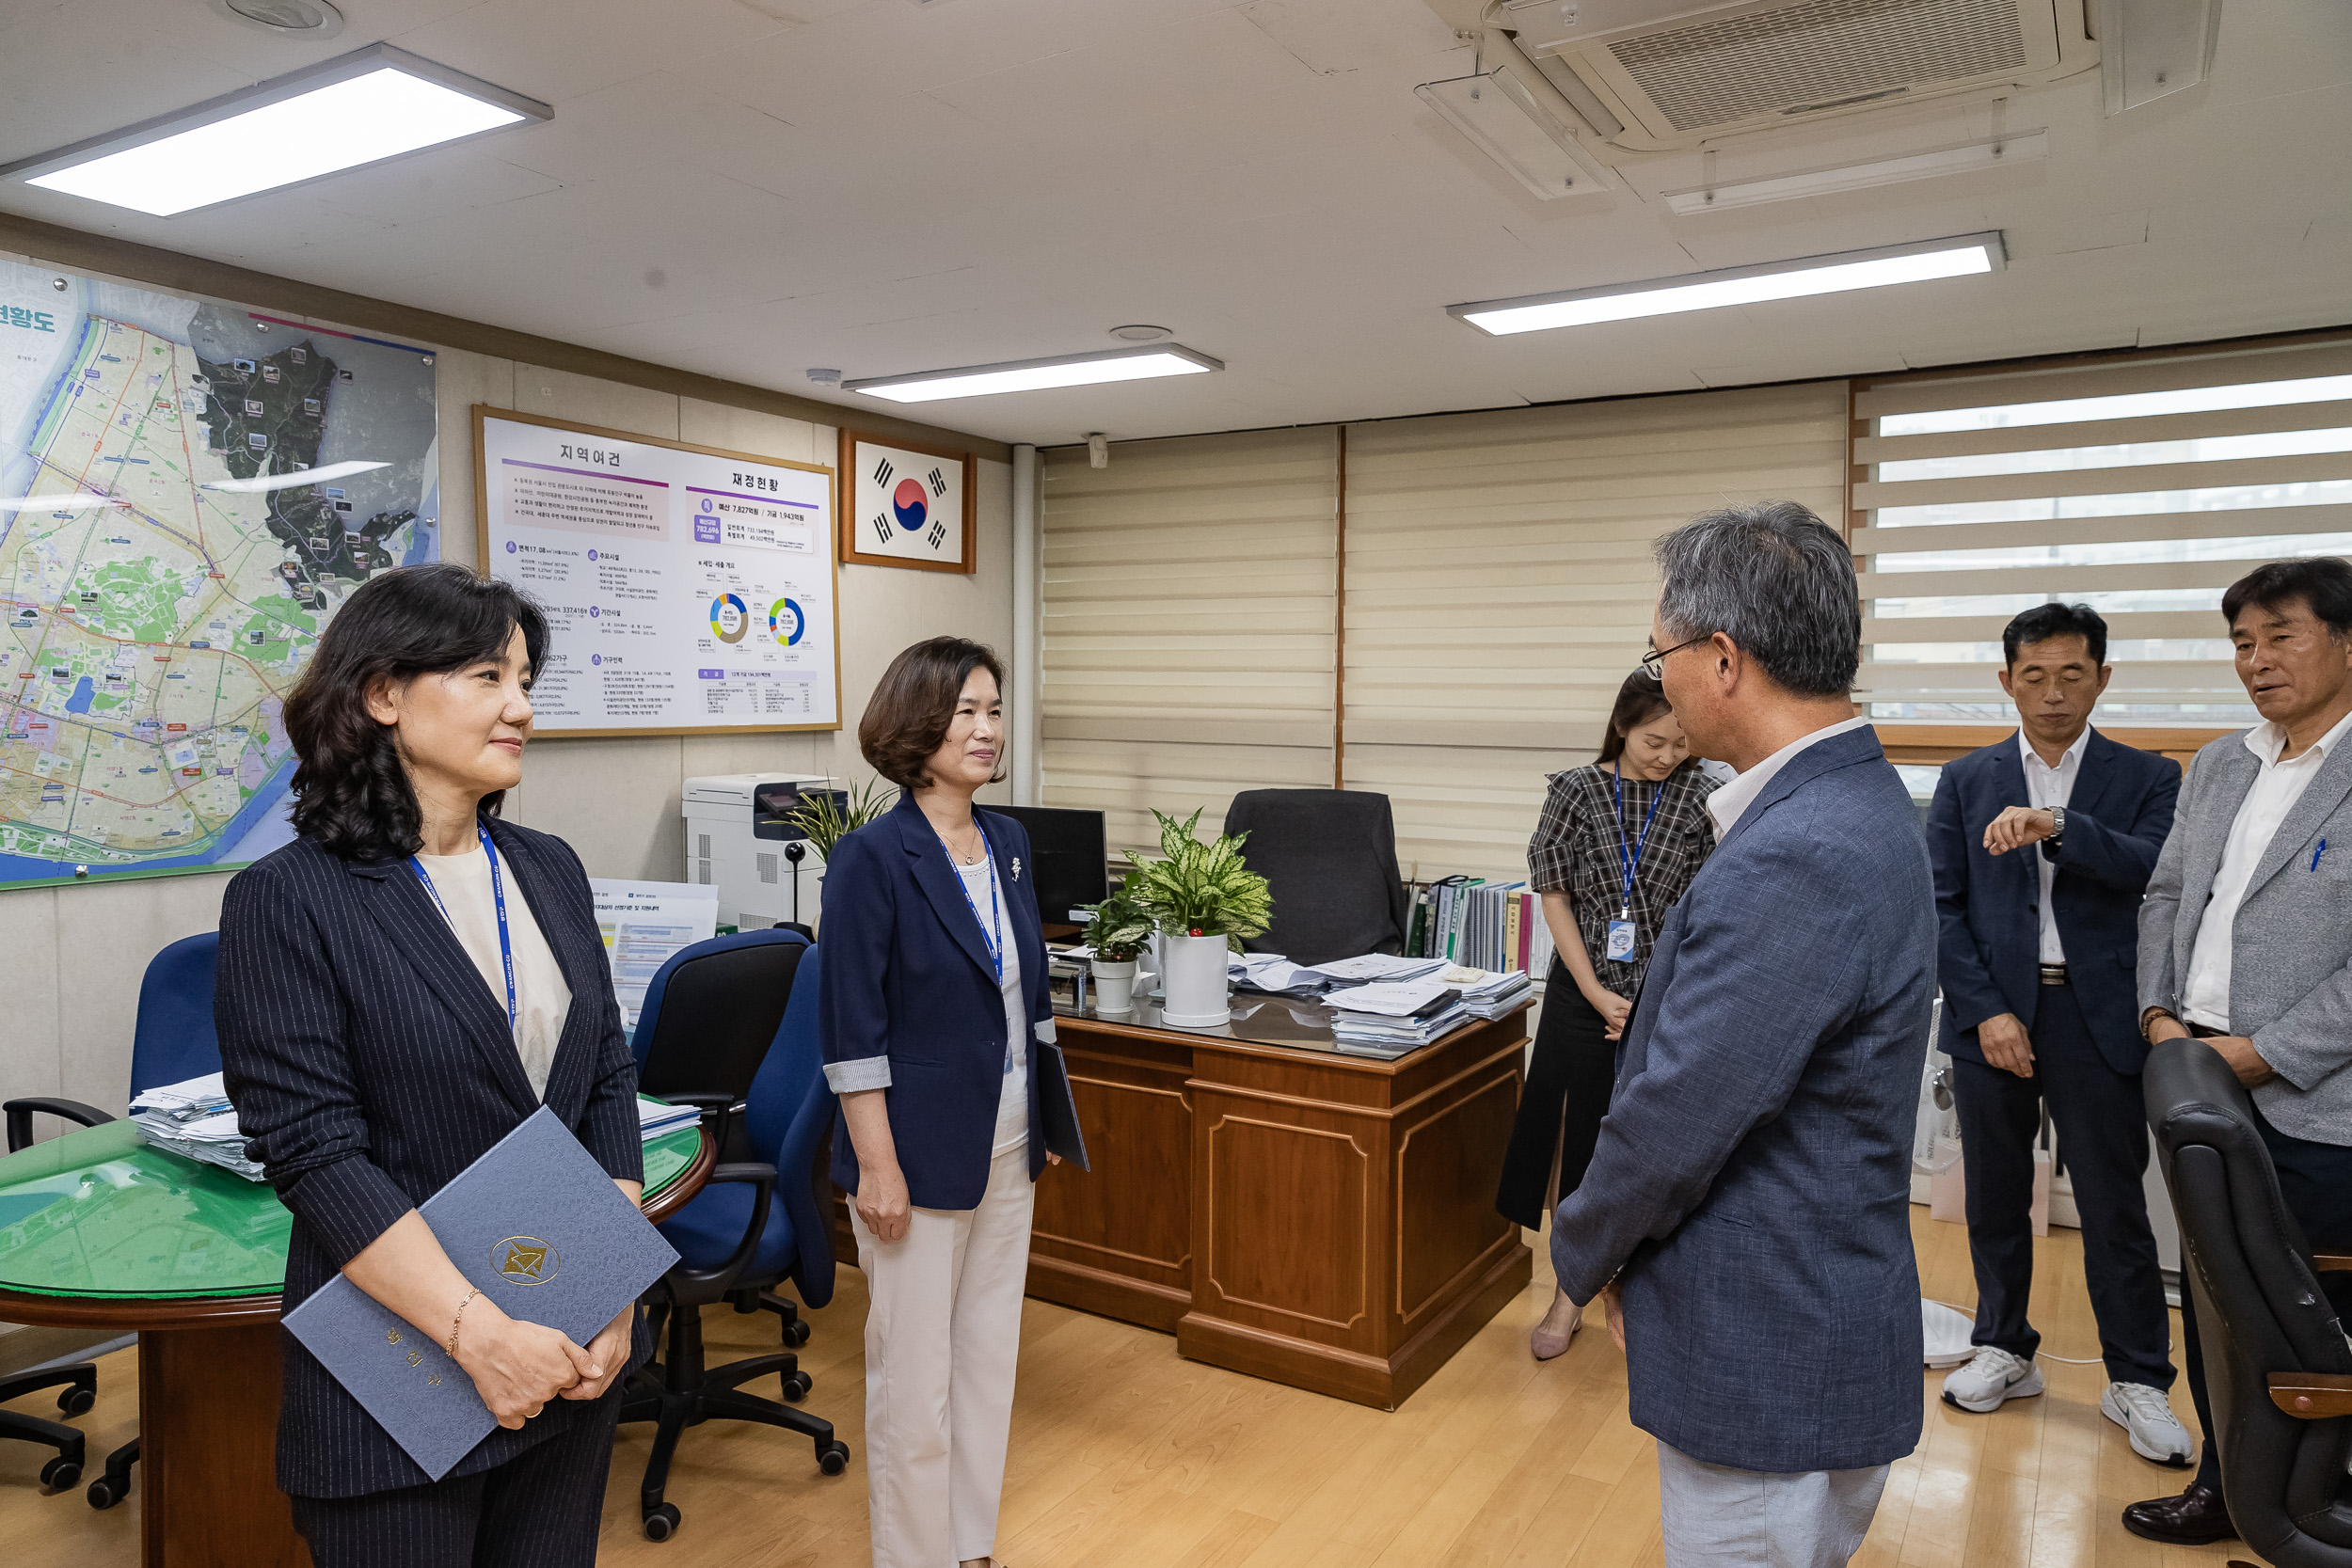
x: 931, y: 1013
x: 374, y: 1047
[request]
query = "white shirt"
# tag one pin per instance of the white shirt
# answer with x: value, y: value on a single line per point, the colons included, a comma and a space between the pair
x: 2205, y: 994
x: 542, y: 999
x: 1726, y: 804
x: 1012, y: 1101
x: 2047, y: 787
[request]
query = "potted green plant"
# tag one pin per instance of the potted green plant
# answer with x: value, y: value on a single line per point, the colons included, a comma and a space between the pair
x: 1118, y: 931
x: 1204, y: 899
x: 826, y: 816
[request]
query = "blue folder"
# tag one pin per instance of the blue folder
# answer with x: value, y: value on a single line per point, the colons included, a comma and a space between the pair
x: 538, y: 1226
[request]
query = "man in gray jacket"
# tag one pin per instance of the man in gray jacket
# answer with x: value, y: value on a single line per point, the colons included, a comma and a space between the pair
x: 2246, y: 937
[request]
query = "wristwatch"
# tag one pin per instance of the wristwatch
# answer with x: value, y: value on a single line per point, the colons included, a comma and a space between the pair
x: 2058, y: 828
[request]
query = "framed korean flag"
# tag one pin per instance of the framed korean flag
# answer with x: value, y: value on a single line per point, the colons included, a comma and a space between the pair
x: 909, y: 504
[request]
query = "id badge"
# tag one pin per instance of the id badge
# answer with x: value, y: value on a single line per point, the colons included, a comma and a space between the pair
x: 1620, y: 940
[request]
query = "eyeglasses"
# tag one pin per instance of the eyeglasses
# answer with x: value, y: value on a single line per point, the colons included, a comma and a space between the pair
x: 1653, y: 661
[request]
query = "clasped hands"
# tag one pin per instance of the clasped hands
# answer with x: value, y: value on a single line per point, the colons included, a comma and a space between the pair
x: 516, y: 1366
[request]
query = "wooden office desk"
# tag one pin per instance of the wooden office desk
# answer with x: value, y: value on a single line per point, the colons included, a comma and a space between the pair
x: 1316, y: 1219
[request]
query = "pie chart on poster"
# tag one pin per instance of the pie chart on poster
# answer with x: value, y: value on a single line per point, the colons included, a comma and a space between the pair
x: 785, y: 622
x: 729, y: 619
x: 907, y: 502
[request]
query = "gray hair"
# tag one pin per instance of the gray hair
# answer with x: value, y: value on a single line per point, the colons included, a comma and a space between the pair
x: 1775, y: 578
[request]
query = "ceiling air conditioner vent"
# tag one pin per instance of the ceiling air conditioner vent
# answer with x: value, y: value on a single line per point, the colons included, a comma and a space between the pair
x: 1675, y: 73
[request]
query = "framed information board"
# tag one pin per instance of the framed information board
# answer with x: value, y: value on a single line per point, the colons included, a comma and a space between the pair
x: 689, y: 590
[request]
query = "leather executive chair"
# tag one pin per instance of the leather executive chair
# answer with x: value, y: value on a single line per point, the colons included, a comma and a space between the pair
x: 1329, y: 857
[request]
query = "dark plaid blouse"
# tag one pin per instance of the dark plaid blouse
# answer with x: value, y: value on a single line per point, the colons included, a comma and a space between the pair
x: 1575, y: 849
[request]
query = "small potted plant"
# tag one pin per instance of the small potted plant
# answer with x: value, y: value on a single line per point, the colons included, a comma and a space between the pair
x: 826, y: 816
x: 1117, y: 932
x: 1204, y: 899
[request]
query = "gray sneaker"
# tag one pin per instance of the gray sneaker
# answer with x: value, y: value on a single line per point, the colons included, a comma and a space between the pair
x: 1991, y: 1378
x: 2140, y: 1409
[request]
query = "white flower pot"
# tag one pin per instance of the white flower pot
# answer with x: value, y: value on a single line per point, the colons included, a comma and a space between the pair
x: 1114, y: 985
x: 1192, y: 974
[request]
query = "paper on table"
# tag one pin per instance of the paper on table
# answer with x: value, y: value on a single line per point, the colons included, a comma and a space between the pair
x: 644, y: 923
x: 1399, y: 1000
x: 1376, y: 966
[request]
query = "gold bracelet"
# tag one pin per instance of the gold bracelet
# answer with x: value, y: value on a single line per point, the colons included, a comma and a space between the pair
x: 459, y: 1319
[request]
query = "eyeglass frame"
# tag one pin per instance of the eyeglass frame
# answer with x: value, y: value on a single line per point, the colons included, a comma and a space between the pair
x: 1653, y: 661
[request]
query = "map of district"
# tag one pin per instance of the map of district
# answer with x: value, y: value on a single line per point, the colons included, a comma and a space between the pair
x: 168, y: 555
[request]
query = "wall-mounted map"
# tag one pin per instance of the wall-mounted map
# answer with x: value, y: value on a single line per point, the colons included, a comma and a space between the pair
x: 187, y: 492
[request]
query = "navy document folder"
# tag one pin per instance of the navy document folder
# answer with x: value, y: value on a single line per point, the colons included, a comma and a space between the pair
x: 1058, y: 1111
x: 538, y: 1226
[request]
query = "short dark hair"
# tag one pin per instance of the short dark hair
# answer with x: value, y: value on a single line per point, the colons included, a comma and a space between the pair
x: 907, y: 717
x: 2322, y: 582
x: 1639, y: 699
x: 352, y: 795
x: 2046, y: 621
x: 1778, y: 581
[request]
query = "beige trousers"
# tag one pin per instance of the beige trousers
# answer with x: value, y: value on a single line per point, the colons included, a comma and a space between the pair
x: 943, y: 1334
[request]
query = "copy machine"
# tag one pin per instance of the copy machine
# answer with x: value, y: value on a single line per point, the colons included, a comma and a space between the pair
x: 766, y: 870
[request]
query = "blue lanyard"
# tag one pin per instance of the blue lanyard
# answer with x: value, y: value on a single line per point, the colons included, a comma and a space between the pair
x: 992, y: 934
x: 1631, y: 858
x: 498, y: 895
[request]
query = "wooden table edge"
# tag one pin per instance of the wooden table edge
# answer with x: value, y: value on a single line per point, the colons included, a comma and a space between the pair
x: 143, y: 1313
x: 680, y: 1193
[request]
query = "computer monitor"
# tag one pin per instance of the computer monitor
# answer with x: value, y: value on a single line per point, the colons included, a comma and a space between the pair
x: 1067, y: 847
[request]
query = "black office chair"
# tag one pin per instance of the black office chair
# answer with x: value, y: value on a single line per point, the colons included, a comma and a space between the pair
x: 1329, y: 857
x: 2277, y: 1367
x: 755, y: 1226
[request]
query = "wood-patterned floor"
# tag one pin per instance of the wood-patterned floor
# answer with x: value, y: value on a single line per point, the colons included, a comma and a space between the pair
x: 1125, y: 1456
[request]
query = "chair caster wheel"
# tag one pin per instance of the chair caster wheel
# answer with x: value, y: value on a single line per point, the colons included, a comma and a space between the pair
x: 834, y: 1458
x: 661, y: 1523
x: 796, y: 1388
x: 102, y: 1494
x: 60, y: 1473
x: 76, y: 1402
x: 796, y: 1334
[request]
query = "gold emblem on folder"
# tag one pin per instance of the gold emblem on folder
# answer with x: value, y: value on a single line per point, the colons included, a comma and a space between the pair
x: 526, y: 1261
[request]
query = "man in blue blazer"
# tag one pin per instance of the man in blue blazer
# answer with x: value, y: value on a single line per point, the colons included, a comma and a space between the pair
x: 2043, y: 844
x: 1745, y: 1216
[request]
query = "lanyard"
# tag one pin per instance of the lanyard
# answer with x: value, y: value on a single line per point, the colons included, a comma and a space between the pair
x: 498, y: 896
x: 1630, y: 858
x: 993, y: 934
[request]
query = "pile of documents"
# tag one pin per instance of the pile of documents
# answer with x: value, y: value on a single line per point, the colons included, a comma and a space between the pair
x: 656, y: 1120
x: 1391, y: 1017
x: 1487, y: 992
x: 1273, y: 974
x: 195, y: 1121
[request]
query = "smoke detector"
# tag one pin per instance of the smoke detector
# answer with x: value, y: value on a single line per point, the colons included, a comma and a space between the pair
x: 303, y: 18
x: 1141, y: 334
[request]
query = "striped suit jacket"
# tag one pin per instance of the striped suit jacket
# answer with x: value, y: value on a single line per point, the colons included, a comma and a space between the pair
x: 370, y: 1064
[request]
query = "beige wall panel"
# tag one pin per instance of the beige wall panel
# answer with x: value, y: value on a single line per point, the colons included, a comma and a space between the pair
x: 30, y: 1057
x: 560, y: 395
x: 614, y: 801
x: 105, y: 936
x: 460, y: 380
x: 715, y: 424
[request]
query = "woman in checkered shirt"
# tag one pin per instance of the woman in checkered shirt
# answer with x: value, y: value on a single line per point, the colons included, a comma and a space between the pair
x: 1619, y: 840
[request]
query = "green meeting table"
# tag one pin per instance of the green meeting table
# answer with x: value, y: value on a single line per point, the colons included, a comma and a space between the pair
x: 98, y: 1230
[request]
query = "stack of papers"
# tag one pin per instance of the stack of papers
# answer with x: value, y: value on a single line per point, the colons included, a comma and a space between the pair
x: 195, y: 1121
x: 655, y: 1119
x: 1391, y: 1017
x: 1272, y: 973
x: 1487, y: 992
x: 1380, y: 966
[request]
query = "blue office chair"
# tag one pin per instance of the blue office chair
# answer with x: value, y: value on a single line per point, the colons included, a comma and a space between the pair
x: 709, y: 1015
x: 755, y: 1226
x: 173, y: 1040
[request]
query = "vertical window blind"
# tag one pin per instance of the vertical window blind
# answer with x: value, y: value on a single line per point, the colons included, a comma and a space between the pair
x: 2142, y: 488
x: 1190, y: 599
x: 1498, y: 588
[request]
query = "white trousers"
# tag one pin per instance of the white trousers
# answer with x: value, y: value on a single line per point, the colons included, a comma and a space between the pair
x: 942, y: 1335
x: 1719, y: 1517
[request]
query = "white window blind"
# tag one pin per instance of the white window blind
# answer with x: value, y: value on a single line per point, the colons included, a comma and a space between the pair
x: 1190, y: 589
x: 1500, y: 587
x: 2143, y: 488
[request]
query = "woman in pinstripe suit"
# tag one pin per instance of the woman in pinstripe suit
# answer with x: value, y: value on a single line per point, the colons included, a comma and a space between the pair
x: 400, y: 988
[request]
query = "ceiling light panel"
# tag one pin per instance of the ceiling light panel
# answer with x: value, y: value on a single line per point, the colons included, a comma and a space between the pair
x: 1029, y: 376
x: 379, y: 103
x: 1709, y: 291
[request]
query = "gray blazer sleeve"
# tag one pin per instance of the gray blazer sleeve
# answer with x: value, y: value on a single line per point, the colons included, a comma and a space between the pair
x: 2160, y: 911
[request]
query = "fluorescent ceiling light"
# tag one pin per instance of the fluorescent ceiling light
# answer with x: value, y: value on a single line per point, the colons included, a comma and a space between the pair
x: 1709, y: 291
x: 1029, y: 376
x: 64, y: 501
x: 1503, y: 119
x: 294, y: 480
x: 2024, y: 148
x: 361, y: 109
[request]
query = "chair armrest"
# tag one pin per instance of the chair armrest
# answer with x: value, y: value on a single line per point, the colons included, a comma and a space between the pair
x: 2312, y: 1396
x: 763, y: 1178
x: 20, y: 1117
x: 2326, y: 1263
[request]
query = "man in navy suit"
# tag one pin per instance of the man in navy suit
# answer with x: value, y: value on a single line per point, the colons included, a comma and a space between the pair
x: 2043, y: 844
x: 1746, y: 1214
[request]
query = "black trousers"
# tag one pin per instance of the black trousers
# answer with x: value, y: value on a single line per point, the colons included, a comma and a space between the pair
x: 2316, y: 1181
x: 539, y: 1510
x: 1569, y: 1076
x: 2103, y: 1135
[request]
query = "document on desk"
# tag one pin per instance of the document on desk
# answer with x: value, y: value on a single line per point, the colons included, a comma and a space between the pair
x: 539, y: 1227
x: 1379, y: 966
x: 1398, y: 998
x: 644, y: 924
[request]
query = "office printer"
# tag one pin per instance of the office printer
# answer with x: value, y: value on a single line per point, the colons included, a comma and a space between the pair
x: 766, y: 870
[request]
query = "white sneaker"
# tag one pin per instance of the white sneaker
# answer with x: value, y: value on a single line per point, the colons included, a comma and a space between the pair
x: 2141, y: 1410
x: 1991, y: 1378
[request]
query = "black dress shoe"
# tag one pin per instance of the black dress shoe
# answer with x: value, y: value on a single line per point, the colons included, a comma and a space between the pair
x: 2196, y: 1517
